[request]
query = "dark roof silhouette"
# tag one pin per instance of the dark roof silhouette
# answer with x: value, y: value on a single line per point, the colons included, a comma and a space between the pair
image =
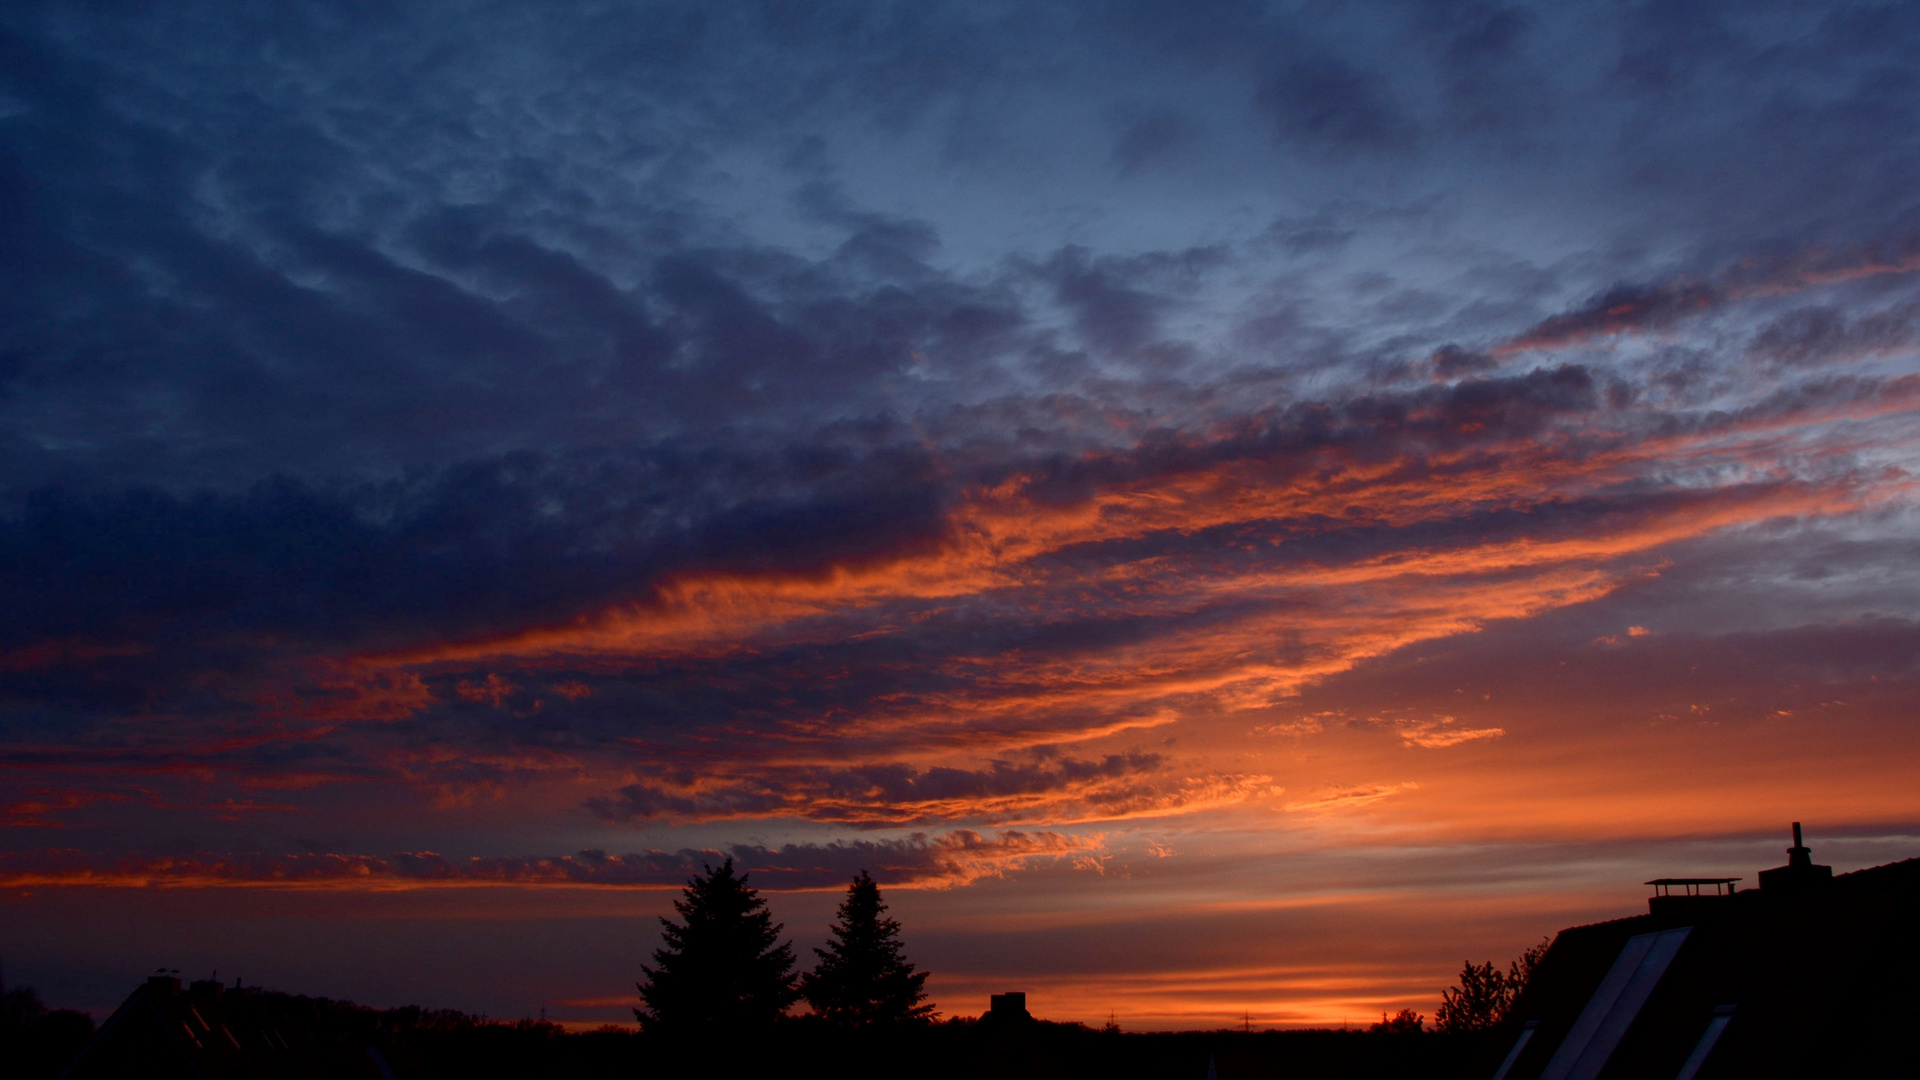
x: 1808, y: 975
x: 224, y: 1033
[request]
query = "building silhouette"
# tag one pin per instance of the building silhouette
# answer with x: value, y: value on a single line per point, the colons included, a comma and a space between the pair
x: 1809, y: 975
x: 228, y: 1033
x: 1008, y: 1008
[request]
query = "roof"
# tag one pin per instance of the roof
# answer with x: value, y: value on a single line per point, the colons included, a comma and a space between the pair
x: 1807, y: 981
x: 219, y: 1033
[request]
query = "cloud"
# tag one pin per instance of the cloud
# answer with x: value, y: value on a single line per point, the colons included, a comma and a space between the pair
x: 954, y: 858
x: 1818, y: 335
x: 1348, y: 797
x: 1441, y: 732
x: 1325, y: 101
x: 878, y: 794
x: 914, y: 418
x: 537, y: 618
x: 1618, y: 311
x: 38, y: 807
x: 1640, y: 309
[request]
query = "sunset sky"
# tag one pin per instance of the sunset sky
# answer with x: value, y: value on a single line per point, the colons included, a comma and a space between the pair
x: 1224, y: 509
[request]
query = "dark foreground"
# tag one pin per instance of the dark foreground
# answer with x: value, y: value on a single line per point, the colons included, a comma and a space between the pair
x: 329, y: 1039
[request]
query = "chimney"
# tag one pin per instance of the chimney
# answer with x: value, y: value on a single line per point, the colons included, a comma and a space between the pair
x: 1799, y: 854
x: 1800, y: 874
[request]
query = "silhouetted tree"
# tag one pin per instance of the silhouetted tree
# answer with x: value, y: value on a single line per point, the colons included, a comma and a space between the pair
x: 863, y: 978
x: 1485, y: 995
x: 20, y: 1008
x: 1477, y: 1002
x: 1520, y: 972
x: 36, y: 1042
x: 724, y: 968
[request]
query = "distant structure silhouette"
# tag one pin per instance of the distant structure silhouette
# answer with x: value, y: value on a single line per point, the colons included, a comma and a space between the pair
x: 1008, y: 1008
x: 1809, y: 975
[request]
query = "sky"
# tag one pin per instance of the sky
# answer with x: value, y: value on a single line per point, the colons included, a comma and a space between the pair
x: 1227, y: 510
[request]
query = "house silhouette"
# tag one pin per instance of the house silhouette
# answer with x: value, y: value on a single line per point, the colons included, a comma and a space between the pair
x: 1810, y: 975
x: 228, y: 1033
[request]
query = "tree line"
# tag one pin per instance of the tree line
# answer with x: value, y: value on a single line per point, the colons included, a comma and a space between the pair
x: 722, y: 967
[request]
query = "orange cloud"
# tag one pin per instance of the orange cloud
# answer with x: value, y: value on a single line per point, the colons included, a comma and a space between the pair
x: 494, y: 690
x: 38, y: 808
x: 1224, y: 551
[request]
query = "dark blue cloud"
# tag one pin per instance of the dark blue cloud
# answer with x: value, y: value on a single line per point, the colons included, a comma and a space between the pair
x: 1327, y: 102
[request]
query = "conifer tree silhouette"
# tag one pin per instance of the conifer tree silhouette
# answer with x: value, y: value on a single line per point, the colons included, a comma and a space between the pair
x: 863, y: 978
x: 723, y: 969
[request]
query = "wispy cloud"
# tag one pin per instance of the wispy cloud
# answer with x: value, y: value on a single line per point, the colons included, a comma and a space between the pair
x: 958, y: 857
